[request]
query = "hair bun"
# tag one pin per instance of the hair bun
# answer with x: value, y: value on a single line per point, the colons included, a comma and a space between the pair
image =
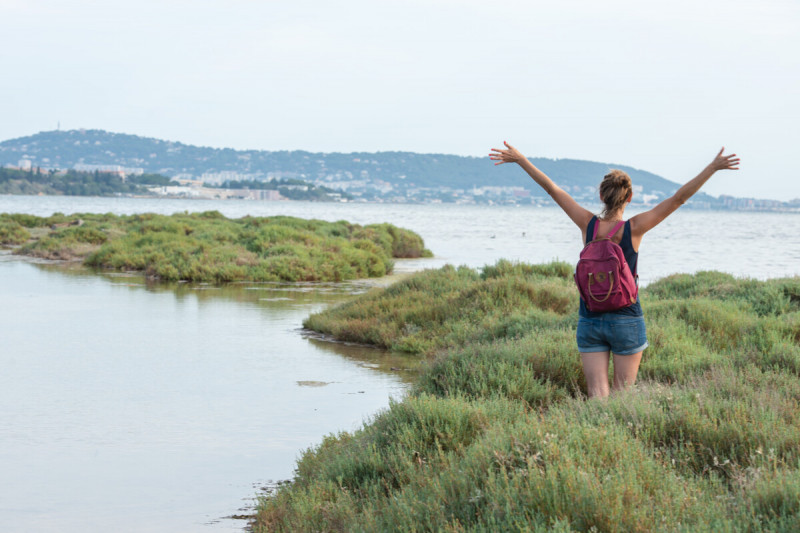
x: 615, y: 190
x: 618, y: 178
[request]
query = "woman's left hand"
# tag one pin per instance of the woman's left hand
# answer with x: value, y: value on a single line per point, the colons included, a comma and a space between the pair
x: 510, y: 155
x: 725, y: 162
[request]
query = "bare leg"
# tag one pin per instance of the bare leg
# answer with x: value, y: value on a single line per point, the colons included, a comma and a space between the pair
x: 625, y: 369
x: 595, y: 368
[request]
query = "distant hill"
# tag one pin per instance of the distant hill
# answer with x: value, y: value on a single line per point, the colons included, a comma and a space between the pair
x: 392, y: 170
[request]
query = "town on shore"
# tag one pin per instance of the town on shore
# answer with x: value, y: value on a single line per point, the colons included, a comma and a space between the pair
x: 100, y: 163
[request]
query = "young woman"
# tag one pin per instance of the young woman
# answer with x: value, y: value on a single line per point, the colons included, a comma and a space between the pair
x: 620, y: 332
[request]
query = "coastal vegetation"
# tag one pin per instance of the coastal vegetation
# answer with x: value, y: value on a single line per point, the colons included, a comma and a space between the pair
x: 75, y: 183
x: 496, y: 433
x: 208, y: 247
x: 36, y: 181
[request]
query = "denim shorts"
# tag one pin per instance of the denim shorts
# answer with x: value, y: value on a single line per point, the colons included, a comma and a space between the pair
x: 622, y: 335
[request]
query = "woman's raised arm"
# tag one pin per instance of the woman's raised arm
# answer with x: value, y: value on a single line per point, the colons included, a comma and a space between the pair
x: 574, y: 211
x: 644, y: 222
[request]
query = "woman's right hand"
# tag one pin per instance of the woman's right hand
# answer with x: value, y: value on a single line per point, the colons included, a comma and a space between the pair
x: 725, y: 162
x: 510, y: 155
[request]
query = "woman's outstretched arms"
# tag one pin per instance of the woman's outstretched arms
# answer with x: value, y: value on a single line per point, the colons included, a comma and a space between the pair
x: 644, y: 222
x: 578, y: 214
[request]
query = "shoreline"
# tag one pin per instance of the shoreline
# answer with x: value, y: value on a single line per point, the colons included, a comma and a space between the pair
x: 507, y: 397
x: 544, y: 203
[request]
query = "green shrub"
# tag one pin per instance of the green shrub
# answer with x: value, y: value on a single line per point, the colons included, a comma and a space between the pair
x: 495, y: 435
x: 451, y: 465
x: 450, y: 307
x: 27, y: 221
x: 85, y: 234
x: 211, y: 248
x: 11, y: 232
x: 773, y: 297
x: 504, y: 268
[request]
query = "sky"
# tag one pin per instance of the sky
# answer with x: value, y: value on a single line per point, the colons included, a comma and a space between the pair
x: 657, y: 86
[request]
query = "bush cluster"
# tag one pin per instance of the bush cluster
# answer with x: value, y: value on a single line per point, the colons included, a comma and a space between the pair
x: 496, y: 434
x: 12, y: 232
x: 208, y: 247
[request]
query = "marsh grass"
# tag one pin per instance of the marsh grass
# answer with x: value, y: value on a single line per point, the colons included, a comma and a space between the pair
x: 450, y: 307
x: 12, y: 232
x: 496, y: 433
x: 211, y: 248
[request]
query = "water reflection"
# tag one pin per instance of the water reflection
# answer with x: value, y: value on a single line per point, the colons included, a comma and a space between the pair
x: 274, y: 299
x: 399, y: 364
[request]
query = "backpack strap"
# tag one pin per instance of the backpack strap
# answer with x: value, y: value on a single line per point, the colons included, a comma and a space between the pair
x: 616, y: 228
x: 613, y: 231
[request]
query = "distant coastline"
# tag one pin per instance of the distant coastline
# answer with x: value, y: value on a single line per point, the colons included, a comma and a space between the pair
x: 111, y: 162
x: 748, y: 205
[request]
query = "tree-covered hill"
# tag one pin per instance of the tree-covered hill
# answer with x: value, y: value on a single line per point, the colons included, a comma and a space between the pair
x: 65, y: 149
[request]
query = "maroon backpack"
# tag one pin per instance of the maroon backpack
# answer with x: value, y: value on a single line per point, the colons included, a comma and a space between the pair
x: 603, y: 276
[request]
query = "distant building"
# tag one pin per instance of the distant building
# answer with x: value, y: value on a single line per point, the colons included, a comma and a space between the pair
x: 175, y: 190
x: 269, y: 195
x: 118, y: 170
x: 218, y: 178
x: 188, y: 182
x: 194, y: 191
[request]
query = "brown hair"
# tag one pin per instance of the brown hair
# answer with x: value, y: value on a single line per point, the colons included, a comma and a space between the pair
x: 614, y: 191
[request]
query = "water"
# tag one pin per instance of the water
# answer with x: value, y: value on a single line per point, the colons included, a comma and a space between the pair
x: 133, y: 407
x: 757, y: 245
x: 130, y: 406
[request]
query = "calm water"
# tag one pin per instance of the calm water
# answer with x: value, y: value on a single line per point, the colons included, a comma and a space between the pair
x: 758, y: 245
x: 133, y: 407
x: 127, y: 406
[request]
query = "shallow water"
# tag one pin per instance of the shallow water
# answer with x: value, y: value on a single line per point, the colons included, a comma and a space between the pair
x: 133, y: 407
x: 128, y: 406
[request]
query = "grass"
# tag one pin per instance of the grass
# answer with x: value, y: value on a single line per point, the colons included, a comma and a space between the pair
x: 496, y: 434
x: 451, y: 306
x: 208, y: 247
x: 11, y: 232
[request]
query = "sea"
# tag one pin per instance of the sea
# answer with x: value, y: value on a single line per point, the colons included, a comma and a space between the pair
x: 128, y: 405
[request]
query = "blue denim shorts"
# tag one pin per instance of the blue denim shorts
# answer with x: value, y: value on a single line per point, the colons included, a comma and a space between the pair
x: 622, y: 335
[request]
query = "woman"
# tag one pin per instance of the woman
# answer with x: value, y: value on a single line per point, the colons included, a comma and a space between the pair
x: 623, y: 331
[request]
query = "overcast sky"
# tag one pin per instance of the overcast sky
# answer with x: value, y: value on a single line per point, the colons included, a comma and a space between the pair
x: 659, y: 87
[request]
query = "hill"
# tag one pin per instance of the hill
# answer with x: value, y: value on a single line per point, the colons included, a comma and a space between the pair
x: 387, y: 175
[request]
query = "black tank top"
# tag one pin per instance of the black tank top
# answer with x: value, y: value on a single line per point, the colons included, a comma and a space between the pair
x: 631, y: 256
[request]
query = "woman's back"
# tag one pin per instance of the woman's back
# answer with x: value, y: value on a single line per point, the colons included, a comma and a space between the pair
x: 598, y: 335
x: 621, y: 237
x: 603, y: 229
